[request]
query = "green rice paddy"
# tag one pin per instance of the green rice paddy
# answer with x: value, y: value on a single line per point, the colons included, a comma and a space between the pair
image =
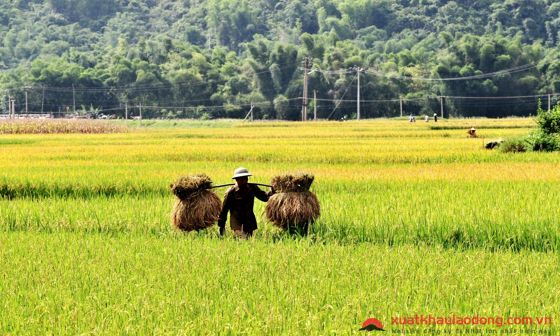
x: 416, y: 219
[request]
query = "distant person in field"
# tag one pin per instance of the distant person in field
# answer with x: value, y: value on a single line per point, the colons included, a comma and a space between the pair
x: 426, y: 118
x: 239, y: 201
x: 472, y: 133
x: 435, y: 117
x: 412, y: 118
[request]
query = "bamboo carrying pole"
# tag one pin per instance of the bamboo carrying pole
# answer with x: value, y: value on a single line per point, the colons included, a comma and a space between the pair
x: 232, y: 184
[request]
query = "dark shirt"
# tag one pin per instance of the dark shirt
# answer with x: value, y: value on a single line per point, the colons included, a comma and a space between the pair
x: 239, y: 202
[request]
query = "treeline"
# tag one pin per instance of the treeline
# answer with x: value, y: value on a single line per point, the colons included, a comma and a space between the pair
x: 217, y: 58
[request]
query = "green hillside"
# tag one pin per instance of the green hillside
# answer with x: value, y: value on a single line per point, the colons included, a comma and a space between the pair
x: 213, y: 59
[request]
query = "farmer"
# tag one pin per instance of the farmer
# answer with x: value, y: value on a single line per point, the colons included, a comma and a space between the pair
x: 238, y: 201
x: 472, y: 133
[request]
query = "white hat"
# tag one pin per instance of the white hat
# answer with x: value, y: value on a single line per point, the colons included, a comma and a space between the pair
x: 241, y: 172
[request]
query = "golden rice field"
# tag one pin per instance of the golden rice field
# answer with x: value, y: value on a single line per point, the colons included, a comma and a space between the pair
x: 417, y: 218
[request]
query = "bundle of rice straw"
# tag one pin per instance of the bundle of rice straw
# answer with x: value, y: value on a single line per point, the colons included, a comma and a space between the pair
x: 293, y: 207
x: 197, y: 207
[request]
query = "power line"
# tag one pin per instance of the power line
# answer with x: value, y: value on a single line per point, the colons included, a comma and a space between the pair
x: 336, y: 101
x: 138, y: 89
x: 347, y: 88
x: 463, y: 78
x: 130, y: 87
x: 435, y: 79
x: 499, y: 97
x: 211, y: 106
x: 443, y: 96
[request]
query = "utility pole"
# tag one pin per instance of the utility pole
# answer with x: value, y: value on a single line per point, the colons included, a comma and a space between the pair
x: 12, y: 107
x: 26, y: 106
x: 74, y: 98
x: 250, y: 114
x: 358, y: 70
x: 549, y: 102
x: 43, y: 100
x: 400, y: 99
x: 441, y: 105
x: 140, y: 107
x: 306, y: 64
x: 126, y: 110
x: 314, y: 104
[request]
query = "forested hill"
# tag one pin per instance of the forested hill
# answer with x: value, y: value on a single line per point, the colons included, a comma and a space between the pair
x: 195, y: 58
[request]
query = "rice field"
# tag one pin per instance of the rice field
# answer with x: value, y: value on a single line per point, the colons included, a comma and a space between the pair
x: 417, y: 218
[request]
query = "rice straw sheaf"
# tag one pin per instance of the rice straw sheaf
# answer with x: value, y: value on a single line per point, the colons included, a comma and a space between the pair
x: 293, y: 206
x: 292, y: 183
x: 198, y: 207
x: 186, y: 186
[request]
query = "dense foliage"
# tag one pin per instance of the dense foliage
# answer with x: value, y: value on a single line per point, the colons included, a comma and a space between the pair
x: 195, y: 58
x: 546, y: 138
